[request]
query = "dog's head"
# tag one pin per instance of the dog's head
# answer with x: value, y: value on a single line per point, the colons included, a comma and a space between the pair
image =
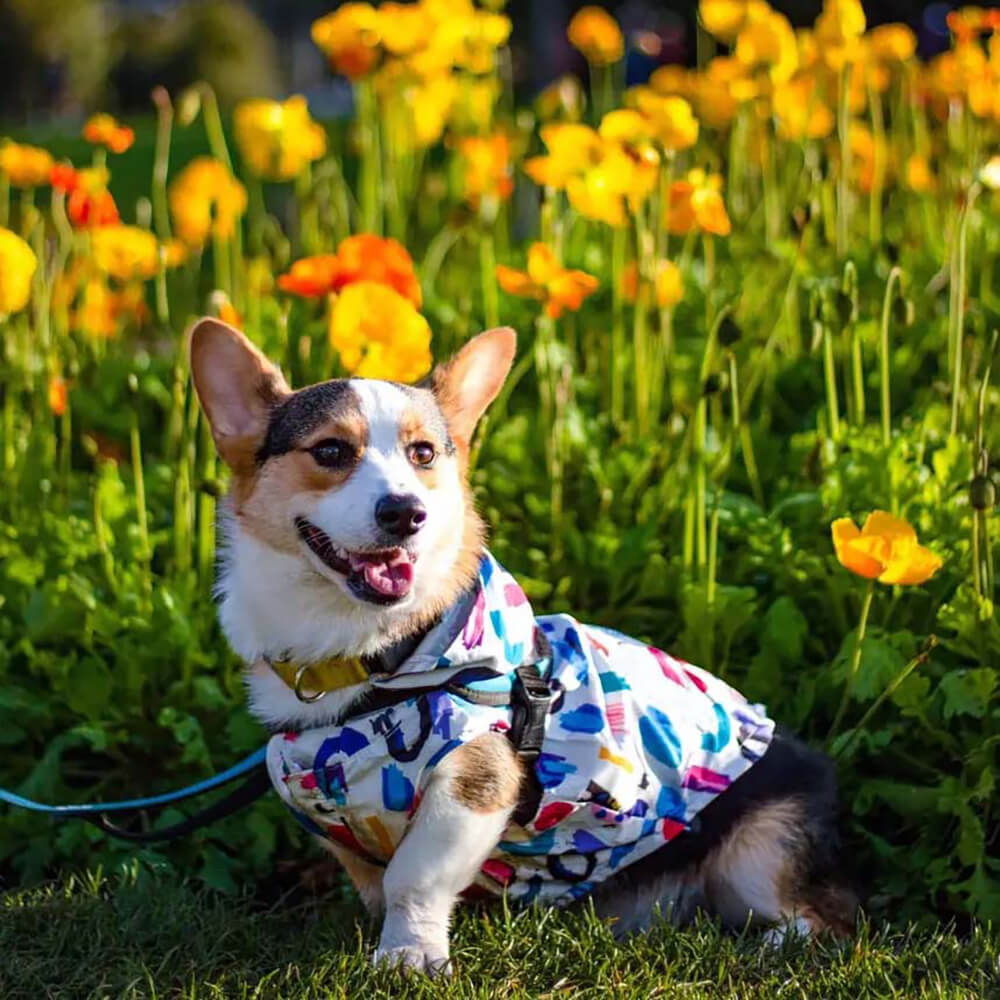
x: 352, y: 492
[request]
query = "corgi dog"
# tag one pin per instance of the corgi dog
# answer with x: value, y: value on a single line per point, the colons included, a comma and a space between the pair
x: 432, y: 733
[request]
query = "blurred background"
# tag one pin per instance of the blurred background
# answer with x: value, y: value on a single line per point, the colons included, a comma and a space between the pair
x: 60, y: 59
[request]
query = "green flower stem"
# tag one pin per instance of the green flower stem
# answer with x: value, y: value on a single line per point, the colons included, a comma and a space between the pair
x: 488, y: 276
x: 619, y: 236
x: 894, y: 277
x: 878, y: 167
x: 852, y: 673
x: 830, y: 377
x: 956, y: 313
x: 982, y: 555
x: 213, y: 125
x: 849, y: 286
x: 161, y: 162
x: 4, y: 200
x: 741, y: 431
x: 206, y: 503
x: 843, y: 174
x: 922, y: 657
x: 142, y: 517
x: 371, y: 167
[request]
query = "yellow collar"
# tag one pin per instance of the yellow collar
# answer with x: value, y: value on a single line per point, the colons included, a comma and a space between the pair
x: 312, y: 681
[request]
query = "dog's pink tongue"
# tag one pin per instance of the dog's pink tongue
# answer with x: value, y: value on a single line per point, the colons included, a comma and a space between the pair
x: 392, y: 575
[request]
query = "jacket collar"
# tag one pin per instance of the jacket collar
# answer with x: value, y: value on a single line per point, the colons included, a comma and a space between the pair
x: 488, y: 632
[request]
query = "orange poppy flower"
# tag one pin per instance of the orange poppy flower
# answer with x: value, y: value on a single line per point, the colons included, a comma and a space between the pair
x: 358, y: 258
x: 547, y: 281
x: 372, y: 258
x: 90, y: 202
x: 885, y: 549
x: 696, y: 203
x: 58, y: 395
x: 310, y: 277
x: 104, y: 130
x: 595, y: 33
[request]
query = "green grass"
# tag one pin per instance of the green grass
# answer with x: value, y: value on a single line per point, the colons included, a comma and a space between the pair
x: 146, y: 937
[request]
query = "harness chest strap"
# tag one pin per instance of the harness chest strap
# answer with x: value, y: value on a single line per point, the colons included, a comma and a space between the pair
x: 530, y: 699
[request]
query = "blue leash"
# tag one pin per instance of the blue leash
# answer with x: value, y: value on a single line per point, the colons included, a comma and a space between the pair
x: 251, y: 767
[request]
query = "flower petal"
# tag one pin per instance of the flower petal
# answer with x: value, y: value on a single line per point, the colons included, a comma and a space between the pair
x: 917, y: 565
x: 881, y: 522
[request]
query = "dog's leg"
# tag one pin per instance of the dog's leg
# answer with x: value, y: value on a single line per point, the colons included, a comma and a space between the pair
x: 367, y: 878
x: 765, y: 871
x: 463, y: 814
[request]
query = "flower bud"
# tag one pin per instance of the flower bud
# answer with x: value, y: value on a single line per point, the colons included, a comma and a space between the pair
x: 982, y: 493
x: 729, y: 332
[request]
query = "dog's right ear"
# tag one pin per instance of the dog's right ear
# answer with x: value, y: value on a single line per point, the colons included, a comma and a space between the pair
x: 237, y: 386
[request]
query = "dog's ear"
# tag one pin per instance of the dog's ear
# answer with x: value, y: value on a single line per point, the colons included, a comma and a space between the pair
x: 237, y: 386
x: 469, y: 382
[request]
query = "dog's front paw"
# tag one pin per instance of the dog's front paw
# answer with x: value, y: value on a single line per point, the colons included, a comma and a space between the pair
x: 416, y: 956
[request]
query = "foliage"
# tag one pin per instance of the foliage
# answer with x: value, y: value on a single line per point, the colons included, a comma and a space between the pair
x: 667, y: 467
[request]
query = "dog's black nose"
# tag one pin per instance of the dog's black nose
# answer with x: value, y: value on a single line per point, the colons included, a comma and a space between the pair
x: 400, y: 515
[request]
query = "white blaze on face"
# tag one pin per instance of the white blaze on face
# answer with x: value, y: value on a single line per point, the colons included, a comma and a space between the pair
x: 347, y: 514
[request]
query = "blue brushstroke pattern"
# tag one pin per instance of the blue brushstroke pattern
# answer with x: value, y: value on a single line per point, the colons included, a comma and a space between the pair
x: 659, y: 738
x: 585, y: 719
x: 397, y: 789
x: 714, y: 742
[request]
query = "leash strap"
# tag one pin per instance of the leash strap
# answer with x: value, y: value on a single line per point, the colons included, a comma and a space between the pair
x: 257, y: 785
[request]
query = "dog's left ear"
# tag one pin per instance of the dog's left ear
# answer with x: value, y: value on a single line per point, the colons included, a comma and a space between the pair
x: 467, y: 384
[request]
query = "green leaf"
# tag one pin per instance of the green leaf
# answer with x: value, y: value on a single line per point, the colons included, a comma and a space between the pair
x: 784, y: 630
x: 87, y: 686
x: 967, y: 692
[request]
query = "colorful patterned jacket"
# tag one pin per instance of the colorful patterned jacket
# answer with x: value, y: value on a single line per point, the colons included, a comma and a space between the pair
x: 636, y: 744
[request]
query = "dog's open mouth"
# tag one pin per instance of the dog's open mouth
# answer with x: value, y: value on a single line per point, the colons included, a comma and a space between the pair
x: 381, y: 576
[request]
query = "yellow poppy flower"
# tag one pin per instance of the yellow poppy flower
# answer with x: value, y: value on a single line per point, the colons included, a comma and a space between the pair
x: 668, y: 283
x: 124, y: 252
x: 572, y: 149
x: 838, y: 28
x: 767, y: 42
x: 918, y: 174
x: 205, y: 198
x: 885, y: 549
x: 403, y: 27
x: 17, y: 268
x: 350, y: 39
x: 696, y: 203
x: 379, y: 334
x: 892, y: 42
x: 671, y: 121
x: 277, y: 140
x: 800, y: 110
x: 548, y: 282
x: 25, y: 166
x: 595, y: 33
x: 723, y: 19
x: 487, y: 169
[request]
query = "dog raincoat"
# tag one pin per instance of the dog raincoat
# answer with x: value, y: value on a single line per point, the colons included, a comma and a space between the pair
x: 637, y: 743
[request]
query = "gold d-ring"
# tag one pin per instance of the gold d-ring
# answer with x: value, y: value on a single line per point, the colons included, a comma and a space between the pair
x: 308, y: 699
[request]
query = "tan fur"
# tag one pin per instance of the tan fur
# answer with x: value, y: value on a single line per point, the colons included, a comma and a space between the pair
x: 467, y: 384
x: 762, y: 869
x: 366, y: 877
x: 238, y: 387
x: 486, y: 773
x: 264, y: 502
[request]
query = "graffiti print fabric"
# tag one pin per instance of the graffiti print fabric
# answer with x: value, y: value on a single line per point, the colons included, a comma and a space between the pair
x: 637, y: 744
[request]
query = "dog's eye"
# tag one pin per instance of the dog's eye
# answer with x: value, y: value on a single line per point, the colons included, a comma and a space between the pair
x: 332, y: 453
x: 422, y: 453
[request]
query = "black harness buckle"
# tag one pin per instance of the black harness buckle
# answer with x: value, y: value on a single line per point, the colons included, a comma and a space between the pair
x: 530, y: 698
